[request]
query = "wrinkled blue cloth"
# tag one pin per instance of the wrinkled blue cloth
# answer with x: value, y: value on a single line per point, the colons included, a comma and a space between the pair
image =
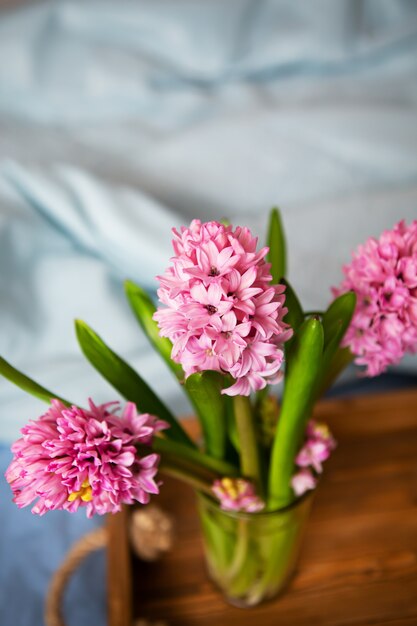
x: 156, y: 59
x: 120, y: 120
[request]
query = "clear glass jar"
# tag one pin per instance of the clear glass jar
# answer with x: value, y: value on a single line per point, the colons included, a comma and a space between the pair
x: 251, y: 556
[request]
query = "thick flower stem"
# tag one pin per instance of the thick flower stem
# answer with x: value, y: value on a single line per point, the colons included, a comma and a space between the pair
x: 250, y: 462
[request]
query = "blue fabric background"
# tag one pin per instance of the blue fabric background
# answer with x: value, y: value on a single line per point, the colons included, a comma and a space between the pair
x: 31, y: 549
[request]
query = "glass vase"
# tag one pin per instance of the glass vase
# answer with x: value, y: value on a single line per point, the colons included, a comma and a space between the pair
x: 251, y: 556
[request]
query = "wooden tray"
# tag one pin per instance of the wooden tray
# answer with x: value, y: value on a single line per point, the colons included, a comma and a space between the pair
x: 359, y: 560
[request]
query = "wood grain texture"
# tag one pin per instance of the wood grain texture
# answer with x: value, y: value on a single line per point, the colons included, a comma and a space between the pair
x: 358, y: 564
x: 119, y: 570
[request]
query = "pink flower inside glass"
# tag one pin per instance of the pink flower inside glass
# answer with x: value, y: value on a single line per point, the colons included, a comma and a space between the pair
x: 237, y: 494
x: 221, y: 311
x: 72, y: 457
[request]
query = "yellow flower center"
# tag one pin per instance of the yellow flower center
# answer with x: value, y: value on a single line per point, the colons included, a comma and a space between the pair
x: 233, y: 487
x: 322, y: 429
x: 85, y: 493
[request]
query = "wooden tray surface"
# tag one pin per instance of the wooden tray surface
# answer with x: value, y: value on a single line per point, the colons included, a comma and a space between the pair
x: 359, y: 558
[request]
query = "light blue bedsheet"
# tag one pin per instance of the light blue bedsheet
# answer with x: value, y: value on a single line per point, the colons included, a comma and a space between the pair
x: 120, y: 120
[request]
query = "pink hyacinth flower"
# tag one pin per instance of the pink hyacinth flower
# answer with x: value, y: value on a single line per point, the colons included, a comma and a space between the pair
x: 237, y: 494
x: 316, y: 449
x: 303, y: 481
x: 221, y: 313
x: 383, y: 274
x: 72, y: 457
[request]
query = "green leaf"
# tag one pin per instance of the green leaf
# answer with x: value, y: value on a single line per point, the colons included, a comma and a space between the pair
x: 204, y: 391
x: 277, y: 255
x: 296, y: 407
x: 341, y: 359
x: 338, y: 316
x: 27, y: 384
x: 144, y: 308
x: 294, y: 317
x: 336, y: 321
x: 128, y: 382
x: 231, y: 454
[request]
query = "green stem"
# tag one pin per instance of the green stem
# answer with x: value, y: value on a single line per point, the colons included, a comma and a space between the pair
x: 241, y: 549
x: 190, y: 472
x: 250, y: 462
x: 194, y: 481
x: 193, y: 457
x: 278, y: 564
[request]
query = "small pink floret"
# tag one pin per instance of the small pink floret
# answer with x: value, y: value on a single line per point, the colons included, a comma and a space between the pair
x: 220, y: 310
x: 237, y: 494
x: 72, y: 457
x: 383, y: 274
x: 303, y: 481
x: 316, y: 449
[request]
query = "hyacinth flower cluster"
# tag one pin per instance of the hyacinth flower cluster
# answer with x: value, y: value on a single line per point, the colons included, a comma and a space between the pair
x: 222, y: 312
x: 72, y: 457
x: 229, y: 326
x: 383, y: 274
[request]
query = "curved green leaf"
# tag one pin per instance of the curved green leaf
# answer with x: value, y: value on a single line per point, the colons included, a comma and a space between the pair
x: 296, y: 406
x: 336, y: 321
x: 27, y: 384
x: 294, y: 317
x: 338, y: 316
x: 204, y: 391
x: 124, y: 378
x: 277, y: 255
x: 341, y: 359
x: 144, y: 308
